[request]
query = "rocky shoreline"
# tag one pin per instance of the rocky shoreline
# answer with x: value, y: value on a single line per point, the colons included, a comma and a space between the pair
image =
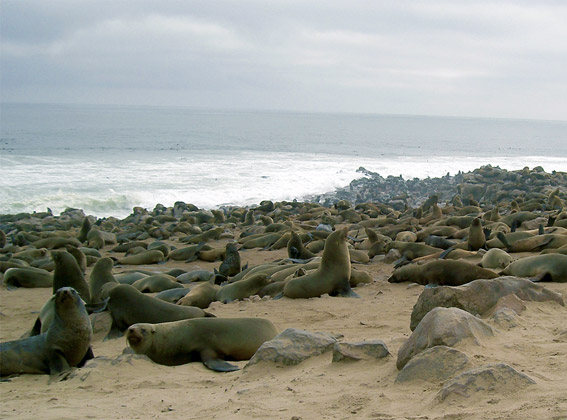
x: 489, y: 184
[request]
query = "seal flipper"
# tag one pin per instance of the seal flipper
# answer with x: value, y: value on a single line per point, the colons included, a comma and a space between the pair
x: 294, y: 253
x: 444, y: 254
x: 347, y: 292
x: 58, y: 366
x: 95, y: 308
x: 210, y: 360
x: 503, y: 239
x: 36, y: 329
x: 114, y: 332
x: 546, y: 277
x: 88, y: 356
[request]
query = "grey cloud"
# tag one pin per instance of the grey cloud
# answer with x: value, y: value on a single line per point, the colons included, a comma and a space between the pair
x: 437, y: 57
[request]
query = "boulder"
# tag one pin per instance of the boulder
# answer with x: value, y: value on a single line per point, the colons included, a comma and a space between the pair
x: 443, y: 327
x: 366, y: 350
x: 436, y: 364
x: 479, y: 296
x: 293, y: 346
x: 490, y: 379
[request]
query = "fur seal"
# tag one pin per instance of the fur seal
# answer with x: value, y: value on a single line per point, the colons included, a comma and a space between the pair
x: 264, y: 241
x: 496, y: 258
x: 331, y: 277
x: 157, y: 283
x: 195, y: 275
x: 200, y: 296
x: 148, y: 257
x: 85, y: 228
x: 209, y: 235
x: 476, y: 239
x: 295, y: 248
x: 126, y: 246
x: 534, y: 243
x: 231, y: 265
x: 56, y: 242
x: 68, y: 273
x: 66, y: 343
x: 243, y: 288
x: 441, y: 272
x: 188, y: 253
x: 173, y: 295
x: 101, y: 274
x: 27, y: 277
x: 547, y: 267
x: 207, y: 340
x: 128, y: 306
x: 212, y: 255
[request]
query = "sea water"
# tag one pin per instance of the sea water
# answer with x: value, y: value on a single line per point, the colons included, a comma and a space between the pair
x: 108, y: 159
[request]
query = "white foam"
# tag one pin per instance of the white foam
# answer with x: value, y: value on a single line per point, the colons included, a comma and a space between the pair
x: 113, y: 187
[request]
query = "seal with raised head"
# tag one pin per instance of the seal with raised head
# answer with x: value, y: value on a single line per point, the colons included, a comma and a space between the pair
x: 476, y: 238
x: 128, y: 306
x: 211, y: 341
x: 331, y: 277
x: 68, y: 273
x: 100, y: 275
x: 66, y: 343
x: 295, y: 248
x: 231, y: 263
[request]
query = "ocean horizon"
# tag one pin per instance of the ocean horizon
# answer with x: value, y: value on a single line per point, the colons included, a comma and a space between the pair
x: 108, y: 159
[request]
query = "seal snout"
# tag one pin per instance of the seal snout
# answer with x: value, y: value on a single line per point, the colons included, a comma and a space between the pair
x: 65, y: 294
x: 134, y: 335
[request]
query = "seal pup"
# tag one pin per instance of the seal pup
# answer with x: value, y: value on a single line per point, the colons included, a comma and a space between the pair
x: 331, y: 277
x: 496, y: 258
x: 211, y: 341
x: 64, y: 345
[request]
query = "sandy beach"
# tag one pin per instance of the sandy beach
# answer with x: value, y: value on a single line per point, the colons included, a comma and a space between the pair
x: 116, y: 385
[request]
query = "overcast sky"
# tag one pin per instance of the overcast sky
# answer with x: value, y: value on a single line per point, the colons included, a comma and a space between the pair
x: 454, y: 57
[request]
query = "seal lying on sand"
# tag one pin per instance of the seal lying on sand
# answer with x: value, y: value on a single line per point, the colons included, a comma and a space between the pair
x: 441, y: 272
x: 547, y: 267
x: 65, y: 344
x: 128, y: 306
x: 209, y: 340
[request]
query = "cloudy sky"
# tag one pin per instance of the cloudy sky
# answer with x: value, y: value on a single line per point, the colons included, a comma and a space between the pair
x: 453, y: 57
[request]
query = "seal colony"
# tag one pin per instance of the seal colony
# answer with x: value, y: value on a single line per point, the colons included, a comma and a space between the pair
x: 223, y: 267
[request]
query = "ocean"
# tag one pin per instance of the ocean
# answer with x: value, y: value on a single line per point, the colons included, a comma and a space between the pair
x: 108, y: 159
